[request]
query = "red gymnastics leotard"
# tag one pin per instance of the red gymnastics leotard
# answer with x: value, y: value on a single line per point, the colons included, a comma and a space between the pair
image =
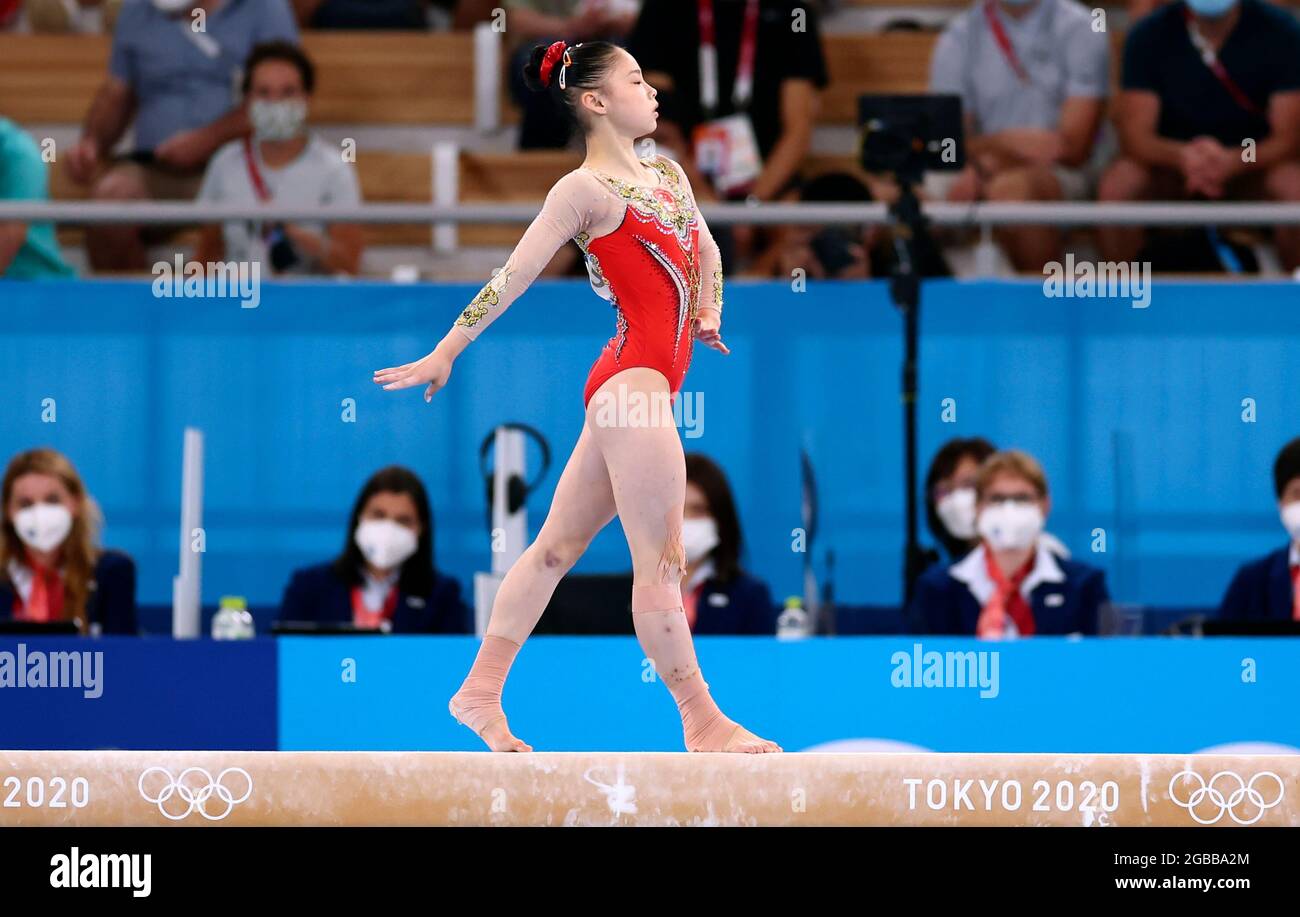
x: 648, y: 253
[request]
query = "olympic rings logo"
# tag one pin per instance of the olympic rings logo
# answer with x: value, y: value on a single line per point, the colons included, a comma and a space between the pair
x: 195, y: 797
x: 1227, y: 804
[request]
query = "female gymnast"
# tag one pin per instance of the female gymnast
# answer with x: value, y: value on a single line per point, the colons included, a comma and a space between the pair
x: 650, y: 255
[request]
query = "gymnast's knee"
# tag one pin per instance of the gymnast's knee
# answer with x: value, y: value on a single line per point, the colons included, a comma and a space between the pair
x: 557, y: 556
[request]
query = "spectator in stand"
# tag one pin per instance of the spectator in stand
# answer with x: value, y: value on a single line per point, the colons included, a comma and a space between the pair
x: 27, y: 250
x: 284, y: 163
x: 744, y: 129
x: 51, y: 566
x: 1268, y: 589
x: 175, y: 82
x: 546, y: 125
x: 1210, y: 110
x: 1033, y: 79
x: 1012, y: 584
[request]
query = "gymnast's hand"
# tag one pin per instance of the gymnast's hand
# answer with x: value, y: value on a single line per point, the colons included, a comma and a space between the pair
x: 707, y: 323
x: 434, y: 369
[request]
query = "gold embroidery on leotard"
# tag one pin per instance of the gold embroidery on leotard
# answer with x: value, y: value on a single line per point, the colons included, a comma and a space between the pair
x: 679, y: 216
x: 487, y: 298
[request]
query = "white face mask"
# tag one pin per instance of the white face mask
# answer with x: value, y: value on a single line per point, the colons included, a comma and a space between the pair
x: 1291, y: 519
x: 43, y: 527
x: 385, y: 543
x: 1011, y: 526
x: 699, y: 537
x: 957, y: 512
x: 277, y: 120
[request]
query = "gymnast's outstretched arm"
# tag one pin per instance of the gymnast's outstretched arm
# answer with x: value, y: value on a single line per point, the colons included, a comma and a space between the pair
x: 573, y: 206
x: 576, y: 204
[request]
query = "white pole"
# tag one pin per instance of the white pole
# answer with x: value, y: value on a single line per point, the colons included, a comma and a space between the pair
x: 487, y: 78
x: 509, y: 462
x: 193, y: 540
x: 446, y: 189
x: 509, y: 457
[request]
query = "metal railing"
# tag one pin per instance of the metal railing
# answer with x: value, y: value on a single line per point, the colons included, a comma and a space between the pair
x: 940, y: 214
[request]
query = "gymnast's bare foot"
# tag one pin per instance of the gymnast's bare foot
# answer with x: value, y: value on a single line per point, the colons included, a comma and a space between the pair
x: 496, y: 733
x: 742, y: 740
x: 729, y: 736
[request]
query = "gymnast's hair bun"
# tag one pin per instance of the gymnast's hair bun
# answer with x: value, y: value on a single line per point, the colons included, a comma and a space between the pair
x: 533, y: 69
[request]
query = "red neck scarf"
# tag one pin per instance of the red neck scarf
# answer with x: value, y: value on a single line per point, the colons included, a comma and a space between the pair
x: 1295, y: 593
x: 45, y: 601
x: 1006, y: 600
x: 363, y: 616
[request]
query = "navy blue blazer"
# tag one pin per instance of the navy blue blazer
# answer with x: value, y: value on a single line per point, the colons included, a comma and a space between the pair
x: 1260, y: 590
x: 1068, y: 604
x: 111, y: 602
x: 317, y: 594
x: 743, y: 606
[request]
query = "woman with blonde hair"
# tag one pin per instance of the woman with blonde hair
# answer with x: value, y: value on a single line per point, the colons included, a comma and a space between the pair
x: 51, y: 566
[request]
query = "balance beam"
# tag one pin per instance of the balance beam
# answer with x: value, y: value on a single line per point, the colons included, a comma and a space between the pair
x: 204, y: 788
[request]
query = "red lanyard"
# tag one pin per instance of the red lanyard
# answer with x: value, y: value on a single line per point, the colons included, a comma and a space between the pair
x: 364, y: 617
x: 1216, y: 66
x: 1295, y: 593
x: 1004, y: 42
x: 743, y: 88
x: 263, y: 194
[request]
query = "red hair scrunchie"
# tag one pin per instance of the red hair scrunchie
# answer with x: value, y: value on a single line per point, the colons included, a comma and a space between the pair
x: 548, y: 61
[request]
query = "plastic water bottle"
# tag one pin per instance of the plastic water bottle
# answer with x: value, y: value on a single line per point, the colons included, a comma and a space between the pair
x: 232, y: 620
x: 793, y: 623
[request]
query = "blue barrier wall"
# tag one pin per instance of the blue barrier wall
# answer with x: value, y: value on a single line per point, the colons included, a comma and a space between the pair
x: 1136, y: 414
x: 582, y: 694
x: 597, y: 693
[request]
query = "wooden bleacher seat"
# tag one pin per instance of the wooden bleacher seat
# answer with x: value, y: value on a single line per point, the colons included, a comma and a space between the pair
x: 362, y: 77
x: 412, y: 79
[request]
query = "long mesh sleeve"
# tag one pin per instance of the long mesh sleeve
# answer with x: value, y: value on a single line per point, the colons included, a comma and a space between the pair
x: 710, y: 270
x: 710, y: 256
x: 575, y: 204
